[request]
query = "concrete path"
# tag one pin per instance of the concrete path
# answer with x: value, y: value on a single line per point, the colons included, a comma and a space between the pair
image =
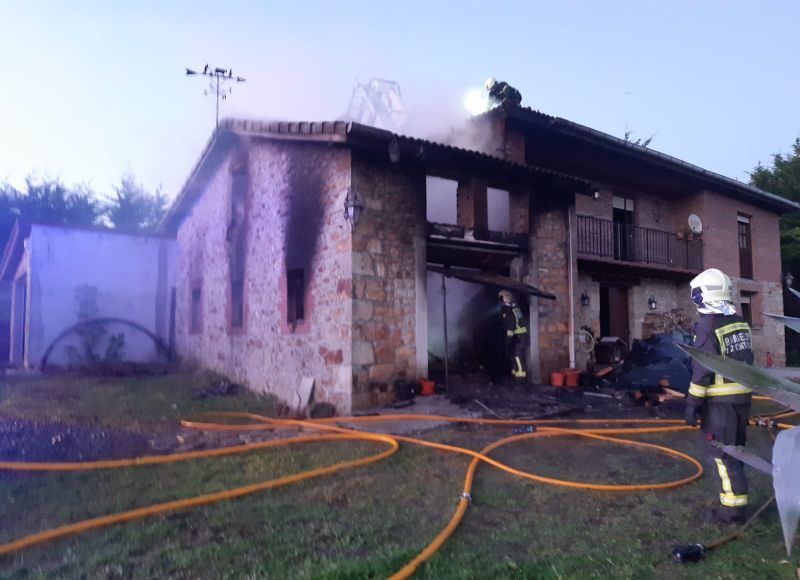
x: 432, y: 405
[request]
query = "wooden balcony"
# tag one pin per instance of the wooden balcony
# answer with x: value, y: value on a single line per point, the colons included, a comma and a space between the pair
x: 636, y: 249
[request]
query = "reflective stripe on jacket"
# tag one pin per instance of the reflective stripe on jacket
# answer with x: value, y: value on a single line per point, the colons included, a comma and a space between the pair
x: 726, y: 335
x: 514, y: 321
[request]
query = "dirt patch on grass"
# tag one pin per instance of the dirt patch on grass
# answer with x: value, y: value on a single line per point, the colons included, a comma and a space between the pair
x: 25, y: 440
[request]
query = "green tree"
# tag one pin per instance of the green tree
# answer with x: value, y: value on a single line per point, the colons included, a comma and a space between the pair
x: 133, y: 208
x: 783, y: 178
x: 48, y: 201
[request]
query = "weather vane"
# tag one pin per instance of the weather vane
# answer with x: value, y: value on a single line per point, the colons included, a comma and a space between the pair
x: 219, y: 76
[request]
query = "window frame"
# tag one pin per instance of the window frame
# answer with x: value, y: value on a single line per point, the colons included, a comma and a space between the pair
x: 744, y: 232
x: 196, y: 315
x: 295, y: 277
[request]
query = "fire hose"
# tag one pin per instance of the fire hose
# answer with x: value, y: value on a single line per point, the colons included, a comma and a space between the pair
x: 331, y: 431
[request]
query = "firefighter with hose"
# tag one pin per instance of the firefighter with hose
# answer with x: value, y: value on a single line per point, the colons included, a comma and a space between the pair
x: 517, y: 337
x: 502, y: 94
x: 722, y: 407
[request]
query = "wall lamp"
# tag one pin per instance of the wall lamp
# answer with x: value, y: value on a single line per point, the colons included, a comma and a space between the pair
x: 651, y: 302
x: 584, y: 299
x: 352, y: 207
x: 788, y: 279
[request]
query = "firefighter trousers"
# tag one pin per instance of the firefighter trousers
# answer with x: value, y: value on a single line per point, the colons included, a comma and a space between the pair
x: 727, y: 423
x: 518, y: 353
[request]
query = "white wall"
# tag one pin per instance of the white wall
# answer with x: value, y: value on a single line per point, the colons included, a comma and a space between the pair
x: 134, y: 276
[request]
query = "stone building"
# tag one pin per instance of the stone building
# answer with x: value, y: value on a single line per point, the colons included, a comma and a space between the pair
x: 653, y: 223
x: 322, y: 250
x: 275, y: 283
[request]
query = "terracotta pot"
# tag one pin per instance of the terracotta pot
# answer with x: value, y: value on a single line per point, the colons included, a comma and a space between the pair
x: 557, y: 379
x: 572, y: 378
x: 428, y: 387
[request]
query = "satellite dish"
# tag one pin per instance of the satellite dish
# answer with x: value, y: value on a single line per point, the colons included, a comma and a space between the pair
x: 695, y: 224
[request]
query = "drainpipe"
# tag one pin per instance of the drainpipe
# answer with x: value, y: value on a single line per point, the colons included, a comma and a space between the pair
x: 444, y: 323
x: 570, y: 284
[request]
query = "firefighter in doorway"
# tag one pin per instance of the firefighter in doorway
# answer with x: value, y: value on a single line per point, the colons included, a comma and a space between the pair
x: 517, y: 338
x: 722, y: 406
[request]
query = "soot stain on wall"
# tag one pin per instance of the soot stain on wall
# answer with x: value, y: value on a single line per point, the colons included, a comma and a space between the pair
x: 305, y: 185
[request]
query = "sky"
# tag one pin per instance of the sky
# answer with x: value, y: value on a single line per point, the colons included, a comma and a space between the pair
x: 90, y: 90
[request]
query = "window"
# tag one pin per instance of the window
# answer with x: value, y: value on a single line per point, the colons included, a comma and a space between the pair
x: 237, y: 237
x: 295, y: 295
x: 623, y: 228
x: 196, y: 309
x: 750, y: 308
x: 441, y: 200
x: 746, y: 312
x: 745, y: 247
x: 237, y: 284
x: 498, y: 202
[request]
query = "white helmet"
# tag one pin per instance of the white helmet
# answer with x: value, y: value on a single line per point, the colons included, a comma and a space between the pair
x: 506, y: 296
x: 490, y: 82
x: 711, y: 285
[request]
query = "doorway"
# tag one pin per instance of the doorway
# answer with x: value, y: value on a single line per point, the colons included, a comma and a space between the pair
x: 614, y: 312
x: 475, y: 341
x: 623, y: 228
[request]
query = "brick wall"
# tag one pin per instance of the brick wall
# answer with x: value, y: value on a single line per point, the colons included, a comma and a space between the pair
x: 721, y: 250
x: 720, y: 234
x: 599, y: 208
x: 550, y: 248
x: 654, y: 212
x: 269, y: 355
x: 385, y: 278
x: 650, y: 211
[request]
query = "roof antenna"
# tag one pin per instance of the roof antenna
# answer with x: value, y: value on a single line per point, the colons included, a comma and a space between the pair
x: 219, y: 77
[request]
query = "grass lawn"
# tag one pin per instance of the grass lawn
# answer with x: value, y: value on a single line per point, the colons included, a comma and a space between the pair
x: 138, y: 403
x: 368, y: 522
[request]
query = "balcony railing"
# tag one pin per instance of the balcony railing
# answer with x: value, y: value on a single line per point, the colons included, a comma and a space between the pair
x: 614, y: 241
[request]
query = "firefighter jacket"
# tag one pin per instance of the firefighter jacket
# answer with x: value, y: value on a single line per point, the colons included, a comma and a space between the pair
x: 505, y: 94
x: 514, y: 322
x: 729, y: 336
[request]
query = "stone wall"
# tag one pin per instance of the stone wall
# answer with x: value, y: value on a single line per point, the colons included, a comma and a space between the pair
x: 670, y: 313
x: 293, y: 218
x: 385, y: 278
x: 588, y: 315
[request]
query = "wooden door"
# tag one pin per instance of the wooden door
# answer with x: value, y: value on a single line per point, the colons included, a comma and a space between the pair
x: 618, y: 312
x: 614, y: 312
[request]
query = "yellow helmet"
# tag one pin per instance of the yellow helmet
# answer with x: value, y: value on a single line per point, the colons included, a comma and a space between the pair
x: 711, y: 285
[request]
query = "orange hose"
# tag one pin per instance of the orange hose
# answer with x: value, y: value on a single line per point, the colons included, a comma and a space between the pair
x: 161, y: 508
x: 336, y: 432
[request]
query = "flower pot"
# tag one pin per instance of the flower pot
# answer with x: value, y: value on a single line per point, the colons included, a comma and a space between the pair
x: 557, y: 379
x: 572, y: 378
x: 428, y: 387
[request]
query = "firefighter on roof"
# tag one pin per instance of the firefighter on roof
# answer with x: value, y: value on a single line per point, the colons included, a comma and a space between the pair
x: 503, y: 94
x: 721, y: 406
x: 517, y: 338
